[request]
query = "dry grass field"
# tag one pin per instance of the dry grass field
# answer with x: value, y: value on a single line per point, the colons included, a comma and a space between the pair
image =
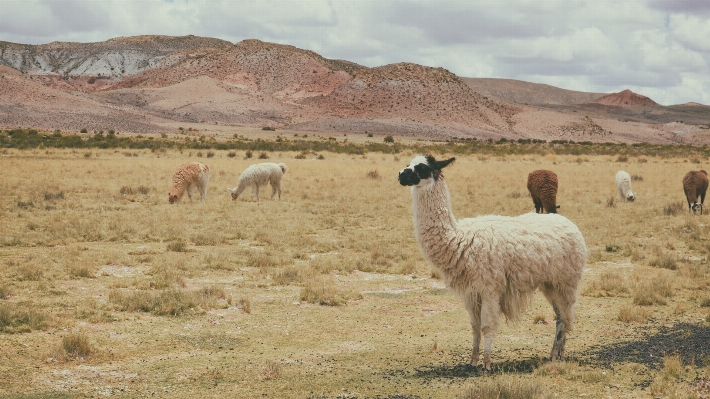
x: 107, y: 290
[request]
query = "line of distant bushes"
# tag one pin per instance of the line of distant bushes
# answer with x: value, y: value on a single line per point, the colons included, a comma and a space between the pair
x: 32, y: 139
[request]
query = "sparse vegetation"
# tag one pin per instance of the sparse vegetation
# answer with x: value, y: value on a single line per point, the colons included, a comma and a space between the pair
x: 330, y: 277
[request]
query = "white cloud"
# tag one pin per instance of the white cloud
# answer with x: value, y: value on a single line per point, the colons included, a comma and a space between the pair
x: 655, y: 47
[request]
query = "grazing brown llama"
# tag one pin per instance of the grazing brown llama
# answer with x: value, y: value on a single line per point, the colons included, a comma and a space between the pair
x: 186, y: 178
x: 542, y: 185
x: 695, y: 184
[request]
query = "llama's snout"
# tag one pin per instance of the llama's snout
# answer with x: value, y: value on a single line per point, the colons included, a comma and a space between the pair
x: 408, y: 177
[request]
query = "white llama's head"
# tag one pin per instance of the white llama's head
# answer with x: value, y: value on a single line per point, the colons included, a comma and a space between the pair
x: 422, y: 171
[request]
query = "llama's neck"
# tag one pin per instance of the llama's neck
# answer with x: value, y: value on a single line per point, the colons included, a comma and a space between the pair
x: 435, y: 226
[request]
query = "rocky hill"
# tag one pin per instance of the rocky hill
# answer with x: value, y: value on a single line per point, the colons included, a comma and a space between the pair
x: 156, y: 83
x: 625, y: 98
x: 522, y: 92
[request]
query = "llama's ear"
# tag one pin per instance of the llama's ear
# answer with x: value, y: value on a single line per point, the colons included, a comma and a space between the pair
x: 442, y: 164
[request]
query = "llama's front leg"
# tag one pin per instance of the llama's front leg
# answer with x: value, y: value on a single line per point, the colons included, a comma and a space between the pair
x: 473, y: 305
x: 189, y: 189
x: 490, y: 316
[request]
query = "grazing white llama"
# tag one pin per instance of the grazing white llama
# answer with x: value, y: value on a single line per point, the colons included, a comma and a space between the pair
x: 495, y: 263
x: 186, y: 178
x: 257, y: 175
x: 623, y: 183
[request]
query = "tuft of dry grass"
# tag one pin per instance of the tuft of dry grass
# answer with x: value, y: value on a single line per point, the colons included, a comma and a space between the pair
x: 77, y: 346
x: 607, y: 284
x: 81, y: 271
x: 373, y: 174
x: 5, y: 291
x: 271, y: 370
x: 633, y: 314
x: 673, y: 208
x: 21, y: 318
x: 503, y: 387
x: 245, y: 305
x: 177, y: 246
x: 169, y: 302
x: 665, y: 261
x: 653, y: 292
x: 611, y: 201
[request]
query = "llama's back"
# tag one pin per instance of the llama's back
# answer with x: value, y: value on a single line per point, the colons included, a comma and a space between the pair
x: 529, y: 249
x: 190, y: 173
x: 694, y: 183
x: 542, y: 185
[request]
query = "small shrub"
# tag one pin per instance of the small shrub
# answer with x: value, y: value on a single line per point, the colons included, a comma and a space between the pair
x: 373, y: 174
x: 88, y: 154
x: 125, y: 190
x: 21, y: 318
x: 503, y: 387
x: 636, y: 178
x: 143, y: 190
x: 673, y: 209
x: 210, y: 154
x: 169, y: 302
x: 515, y: 195
x: 389, y: 139
x: 245, y: 305
x: 271, y: 371
x: 539, y: 319
x: 633, y: 314
x: 301, y: 155
x: 83, y: 130
x: 232, y: 154
x: 611, y: 202
x: 665, y: 261
x: 320, y: 157
x: 54, y: 196
x: 369, y: 135
x: 269, y: 128
x: 263, y: 155
x: 5, y: 292
x: 622, y: 158
x: 248, y: 154
x: 177, y: 246
x: 81, y: 272
x: 199, y: 154
x: 77, y: 346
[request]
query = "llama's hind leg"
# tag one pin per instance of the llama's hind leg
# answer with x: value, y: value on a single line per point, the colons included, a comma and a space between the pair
x: 273, y: 191
x: 563, y: 304
x: 472, y: 302
x: 490, y: 316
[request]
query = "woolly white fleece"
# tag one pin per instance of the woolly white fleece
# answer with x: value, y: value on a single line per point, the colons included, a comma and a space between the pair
x: 257, y: 175
x: 623, y: 183
x: 495, y: 263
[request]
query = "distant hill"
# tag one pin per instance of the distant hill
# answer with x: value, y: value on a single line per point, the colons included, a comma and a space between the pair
x: 625, y: 98
x: 522, y: 92
x: 151, y: 84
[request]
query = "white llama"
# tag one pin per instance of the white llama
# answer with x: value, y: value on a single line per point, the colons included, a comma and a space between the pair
x: 623, y: 184
x: 495, y: 263
x: 257, y: 175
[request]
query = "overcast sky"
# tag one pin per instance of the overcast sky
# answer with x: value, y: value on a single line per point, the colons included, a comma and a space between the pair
x: 658, y: 48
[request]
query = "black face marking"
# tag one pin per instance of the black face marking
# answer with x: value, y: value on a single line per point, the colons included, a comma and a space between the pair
x: 423, y: 171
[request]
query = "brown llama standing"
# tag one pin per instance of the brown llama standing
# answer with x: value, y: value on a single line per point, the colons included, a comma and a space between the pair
x: 542, y: 185
x: 695, y: 184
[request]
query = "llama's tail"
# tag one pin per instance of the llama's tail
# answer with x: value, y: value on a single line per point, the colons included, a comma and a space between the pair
x: 283, y: 167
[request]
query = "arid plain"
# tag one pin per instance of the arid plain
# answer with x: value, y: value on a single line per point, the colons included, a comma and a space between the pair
x: 107, y: 290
